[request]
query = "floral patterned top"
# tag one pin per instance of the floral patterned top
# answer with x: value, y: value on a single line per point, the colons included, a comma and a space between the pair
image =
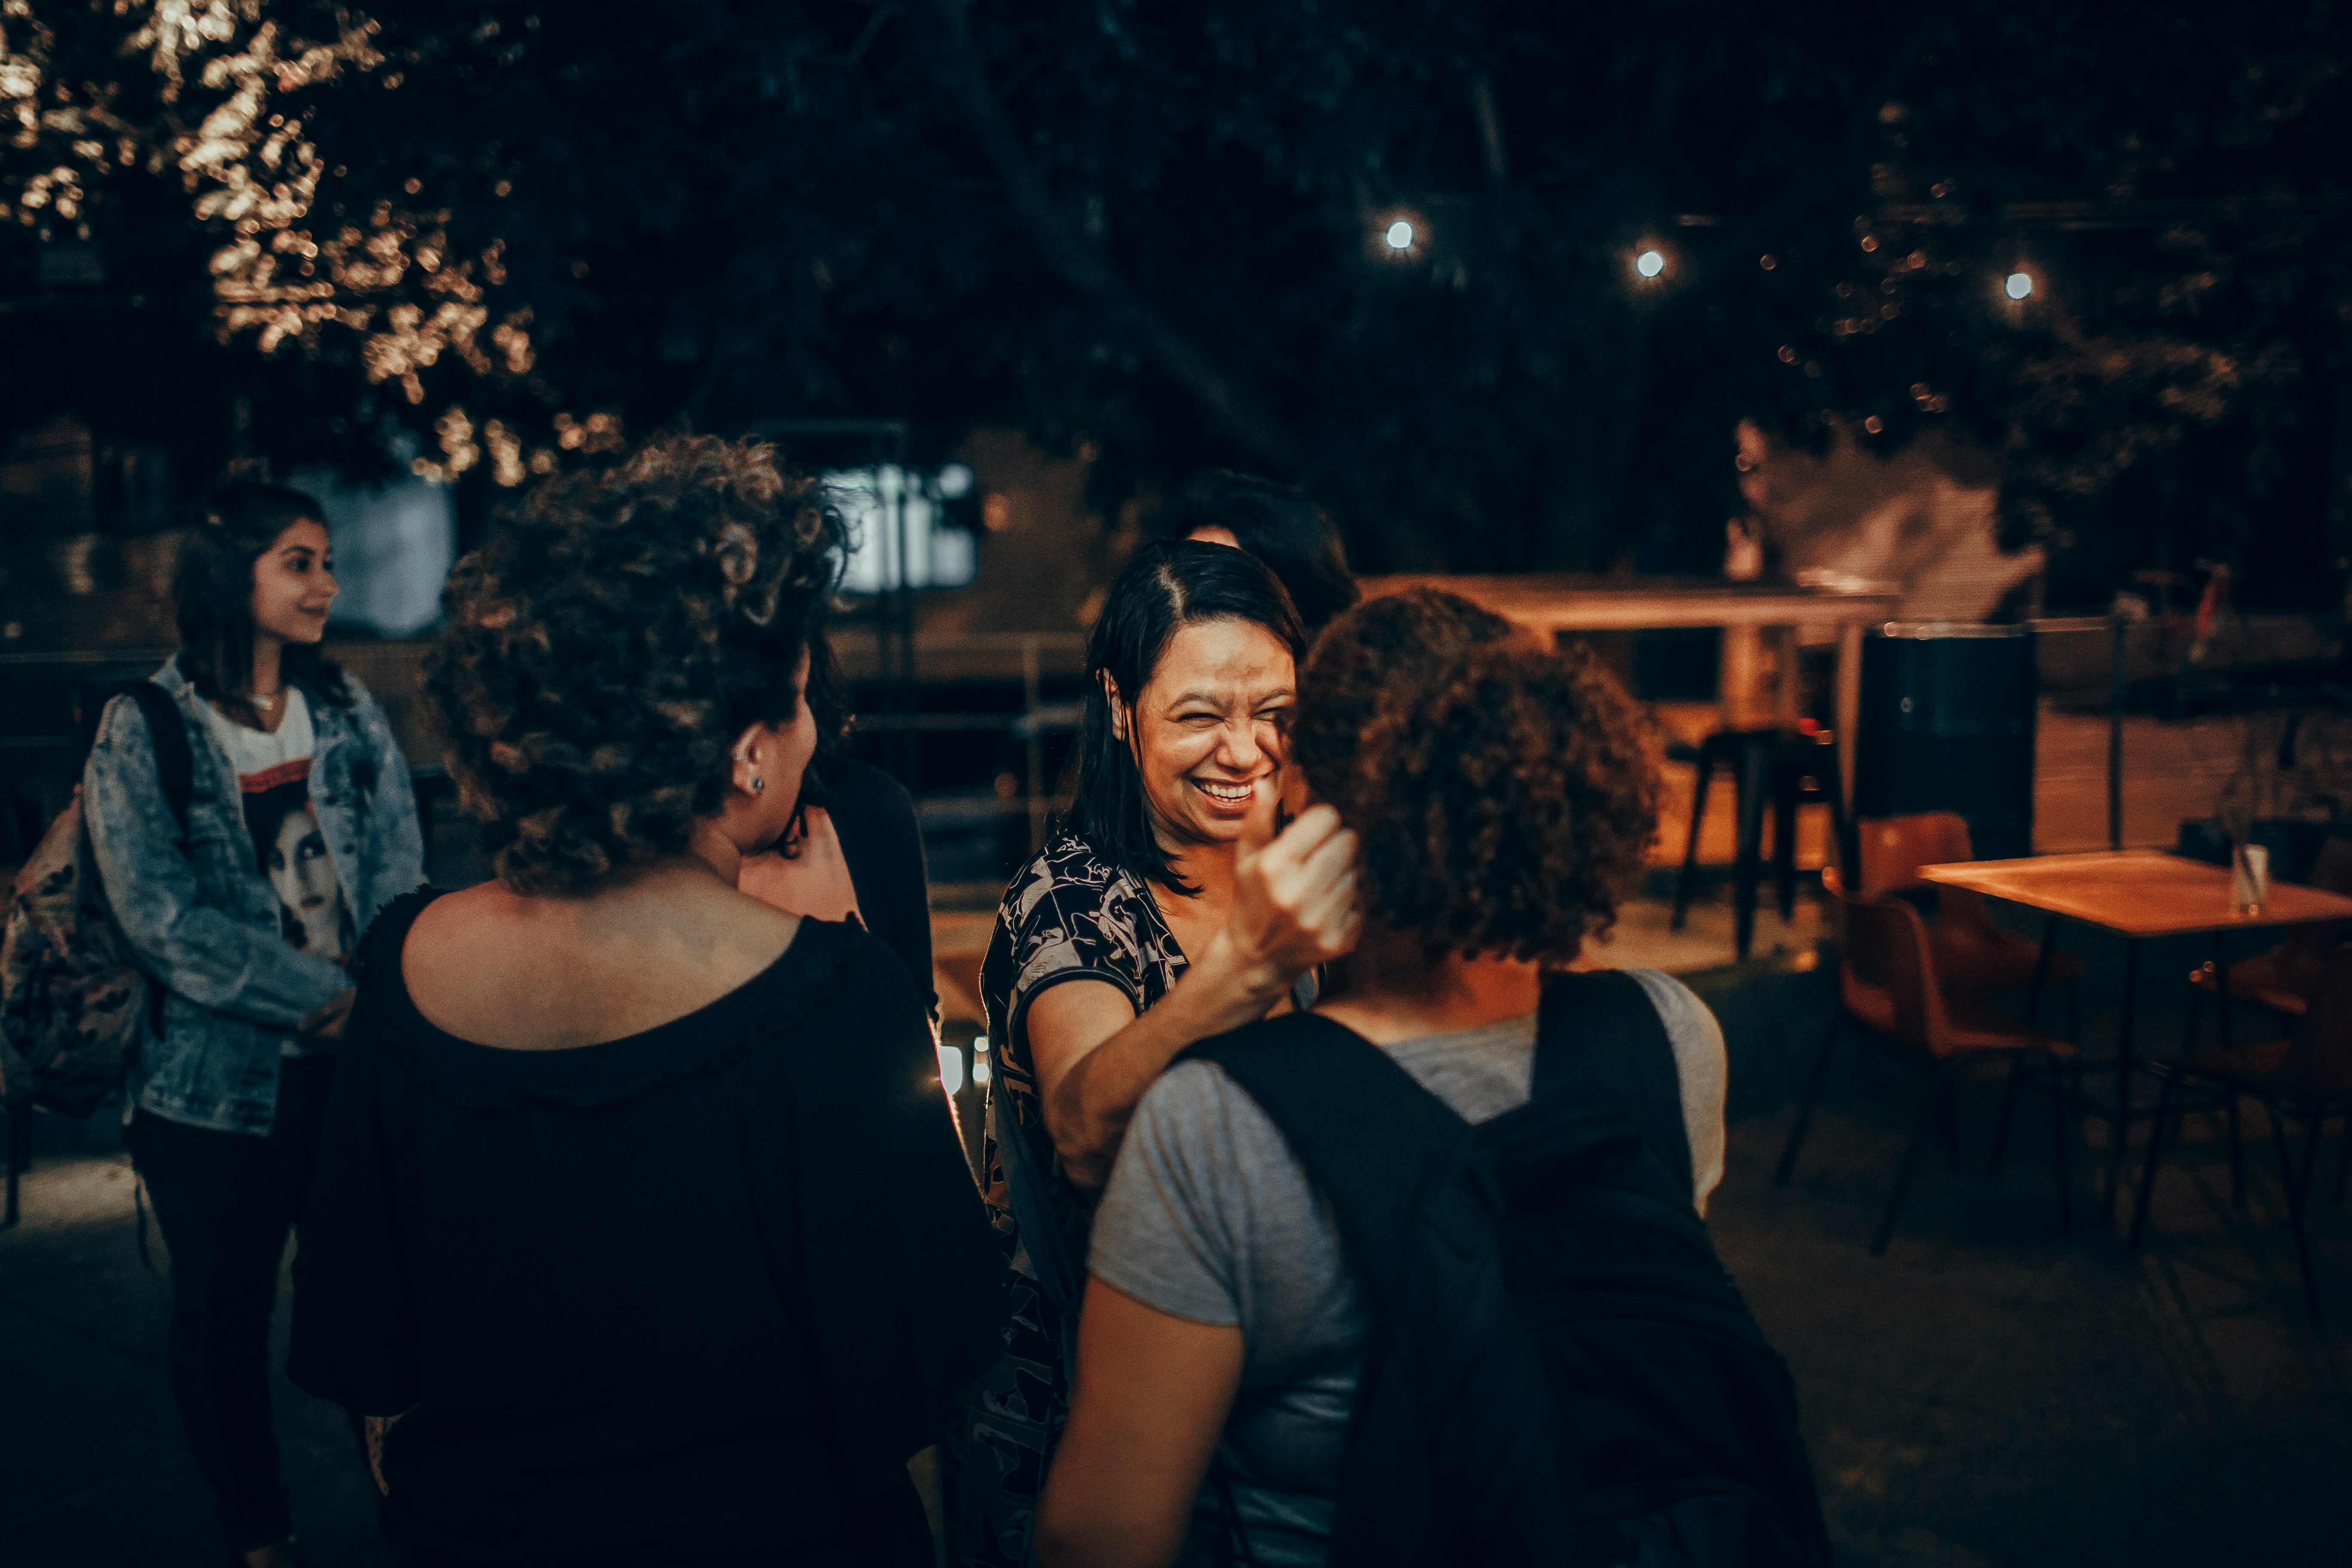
x: 1068, y: 915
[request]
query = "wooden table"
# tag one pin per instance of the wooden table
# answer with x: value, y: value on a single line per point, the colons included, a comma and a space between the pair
x: 1555, y: 603
x: 2135, y: 893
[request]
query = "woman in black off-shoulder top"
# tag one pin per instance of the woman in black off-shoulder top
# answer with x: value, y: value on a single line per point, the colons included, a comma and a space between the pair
x: 640, y: 1232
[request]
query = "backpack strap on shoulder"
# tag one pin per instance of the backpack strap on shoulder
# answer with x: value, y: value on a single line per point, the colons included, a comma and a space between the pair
x: 1600, y: 1040
x: 175, y: 760
x: 1325, y: 1086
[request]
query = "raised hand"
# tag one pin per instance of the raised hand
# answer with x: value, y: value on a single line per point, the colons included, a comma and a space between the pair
x: 1294, y: 892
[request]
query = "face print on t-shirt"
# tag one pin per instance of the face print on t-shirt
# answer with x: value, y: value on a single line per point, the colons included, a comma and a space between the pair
x: 299, y: 868
x: 292, y: 850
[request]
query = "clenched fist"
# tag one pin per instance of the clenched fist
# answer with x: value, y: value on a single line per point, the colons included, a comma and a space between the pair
x: 1294, y: 894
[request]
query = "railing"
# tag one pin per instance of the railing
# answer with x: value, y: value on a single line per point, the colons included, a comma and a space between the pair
x: 385, y: 667
x: 990, y: 655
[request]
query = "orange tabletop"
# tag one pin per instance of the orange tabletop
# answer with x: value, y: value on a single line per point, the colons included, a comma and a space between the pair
x: 2138, y: 892
x: 1563, y: 602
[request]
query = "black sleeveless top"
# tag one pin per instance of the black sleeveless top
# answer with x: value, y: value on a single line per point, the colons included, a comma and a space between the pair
x: 694, y: 1293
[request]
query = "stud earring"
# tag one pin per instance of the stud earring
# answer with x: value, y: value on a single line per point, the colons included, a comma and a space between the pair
x: 758, y: 784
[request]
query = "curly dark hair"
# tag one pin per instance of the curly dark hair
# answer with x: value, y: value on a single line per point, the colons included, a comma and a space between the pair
x: 605, y: 648
x: 1505, y: 792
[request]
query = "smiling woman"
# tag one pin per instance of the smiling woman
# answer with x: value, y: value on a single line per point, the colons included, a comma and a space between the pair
x: 1165, y: 910
x: 244, y: 903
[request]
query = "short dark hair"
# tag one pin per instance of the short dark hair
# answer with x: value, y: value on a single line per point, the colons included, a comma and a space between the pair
x: 1505, y: 790
x: 1279, y: 525
x: 212, y: 598
x: 1167, y: 586
x: 607, y: 646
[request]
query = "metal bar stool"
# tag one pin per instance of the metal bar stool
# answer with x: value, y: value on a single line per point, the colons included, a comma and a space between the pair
x: 1786, y: 767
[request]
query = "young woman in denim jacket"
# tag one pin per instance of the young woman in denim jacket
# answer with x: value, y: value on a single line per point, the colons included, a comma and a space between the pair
x: 301, y: 826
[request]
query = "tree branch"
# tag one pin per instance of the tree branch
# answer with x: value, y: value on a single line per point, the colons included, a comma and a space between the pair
x: 1832, y: 173
x: 1490, y: 115
x: 1073, y: 255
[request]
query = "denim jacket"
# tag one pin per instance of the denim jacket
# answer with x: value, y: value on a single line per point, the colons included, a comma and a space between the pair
x: 205, y: 921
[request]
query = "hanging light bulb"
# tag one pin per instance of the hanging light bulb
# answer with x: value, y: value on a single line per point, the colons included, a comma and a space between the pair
x: 2019, y: 285
x: 1649, y: 263
x: 1399, y: 236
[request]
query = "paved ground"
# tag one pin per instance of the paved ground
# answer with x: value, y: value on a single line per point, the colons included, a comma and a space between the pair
x: 1986, y: 1394
x: 1990, y: 1394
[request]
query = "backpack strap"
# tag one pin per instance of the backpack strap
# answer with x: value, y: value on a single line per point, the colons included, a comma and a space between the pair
x: 1322, y: 1084
x: 1599, y: 1039
x: 1391, y: 1158
x: 175, y: 760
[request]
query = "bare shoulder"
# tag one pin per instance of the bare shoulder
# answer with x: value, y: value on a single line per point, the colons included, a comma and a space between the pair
x: 499, y: 968
x: 452, y: 924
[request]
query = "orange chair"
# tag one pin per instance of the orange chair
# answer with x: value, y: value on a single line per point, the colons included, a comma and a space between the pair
x: 2306, y: 1076
x: 2282, y: 979
x: 1971, y: 951
x: 1887, y: 983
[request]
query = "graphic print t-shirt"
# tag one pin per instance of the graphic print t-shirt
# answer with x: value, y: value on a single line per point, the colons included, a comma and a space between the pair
x: 273, y: 779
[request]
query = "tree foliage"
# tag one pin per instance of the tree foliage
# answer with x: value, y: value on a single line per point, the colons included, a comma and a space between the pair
x: 1156, y: 231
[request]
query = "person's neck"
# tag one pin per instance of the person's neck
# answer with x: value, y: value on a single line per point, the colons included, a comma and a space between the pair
x: 710, y: 846
x: 1390, y: 991
x: 1207, y: 866
x: 615, y: 902
x: 269, y: 666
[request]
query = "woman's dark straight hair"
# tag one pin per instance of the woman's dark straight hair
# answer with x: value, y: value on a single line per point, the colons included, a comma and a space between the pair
x: 830, y: 707
x: 212, y: 598
x: 1165, y: 587
x: 1279, y: 525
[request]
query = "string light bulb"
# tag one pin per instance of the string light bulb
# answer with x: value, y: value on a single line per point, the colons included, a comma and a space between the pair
x: 2019, y: 285
x: 1649, y: 263
x: 1399, y: 236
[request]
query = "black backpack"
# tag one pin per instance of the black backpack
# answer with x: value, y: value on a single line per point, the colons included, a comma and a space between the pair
x: 1560, y: 1370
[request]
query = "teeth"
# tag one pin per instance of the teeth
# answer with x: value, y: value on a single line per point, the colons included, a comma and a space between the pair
x: 1230, y: 794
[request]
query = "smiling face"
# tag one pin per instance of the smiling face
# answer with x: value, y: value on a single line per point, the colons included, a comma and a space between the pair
x: 1206, y: 727
x: 294, y: 584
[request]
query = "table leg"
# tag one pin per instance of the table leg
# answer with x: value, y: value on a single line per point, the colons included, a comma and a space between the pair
x: 1846, y: 707
x: 1788, y: 696
x: 2221, y: 982
x: 1755, y: 781
x: 2115, y: 734
x: 2041, y: 970
x: 2119, y: 1129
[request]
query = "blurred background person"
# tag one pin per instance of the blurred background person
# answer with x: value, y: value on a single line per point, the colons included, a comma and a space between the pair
x: 1505, y: 798
x: 228, y: 1095
x: 638, y: 1238
x: 855, y: 850
x: 1280, y: 526
x: 1163, y: 910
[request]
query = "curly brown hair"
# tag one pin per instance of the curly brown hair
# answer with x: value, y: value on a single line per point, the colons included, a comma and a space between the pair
x: 1505, y: 792
x: 607, y: 646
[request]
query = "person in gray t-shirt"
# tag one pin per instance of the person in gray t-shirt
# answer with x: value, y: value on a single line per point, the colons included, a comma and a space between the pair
x: 1209, y: 1217
x: 1221, y: 1318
